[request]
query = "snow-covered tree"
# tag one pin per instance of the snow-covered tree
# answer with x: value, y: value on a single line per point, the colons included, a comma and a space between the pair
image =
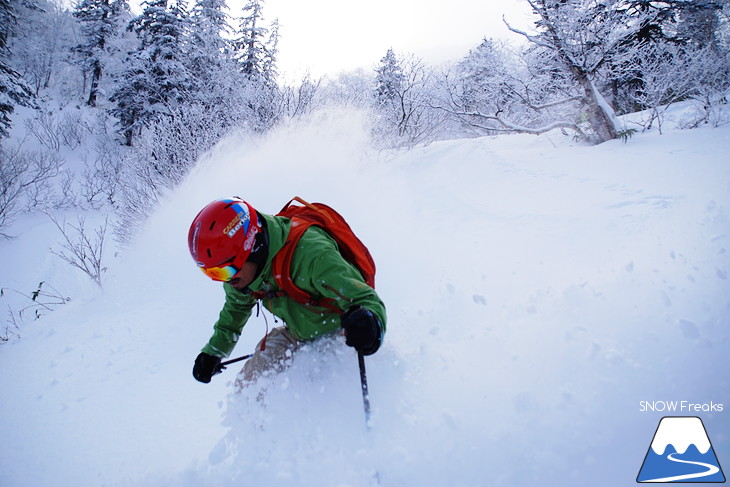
x: 270, y: 69
x: 157, y: 79
x: 352, y: 88
x: 256, y: 45
x: 486, y: 83
x: 662, y: 74
x: 667, y: 26
x: 681, y: 21
x: 710, y: 68
x: 13, y: 89
x: 7, y: 22
x: 208, y: 46
x: 42, y: 44
x: 100, y: 22
x: 131, y: 101
x: 210, y: 56
x: 162, y: 29
x: 250, y: 40
x: 582, y: 36
x: 493, y: 90
x: 402, y: 101
x: 388, y: 79
x: 255, y: 48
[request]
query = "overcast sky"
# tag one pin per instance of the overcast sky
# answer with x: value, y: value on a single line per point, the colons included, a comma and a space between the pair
x: 326, y: 37
x: 330, y: 36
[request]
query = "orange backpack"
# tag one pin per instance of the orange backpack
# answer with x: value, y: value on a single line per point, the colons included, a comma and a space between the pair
x: 351, y: 248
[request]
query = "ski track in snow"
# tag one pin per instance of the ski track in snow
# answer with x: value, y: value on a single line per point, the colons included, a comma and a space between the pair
x: 536, y: 290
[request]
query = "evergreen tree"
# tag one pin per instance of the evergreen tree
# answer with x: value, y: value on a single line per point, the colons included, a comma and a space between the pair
x: 388, y: 80
x: 157, y: 80
x: 270, y: 54
x: 13, y: 89
x: 256, y: 53
x: 701, y: 22
x: 99, y: 22
x: 162, y: 31
x: 675, y: 21
x: 209, y: 51
x: 130, y: 97
x: 208, y: 46
x: 7, y: 22
x: 218, y: 81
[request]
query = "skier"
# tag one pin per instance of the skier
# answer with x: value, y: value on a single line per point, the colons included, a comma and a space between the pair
x: 231, y: 242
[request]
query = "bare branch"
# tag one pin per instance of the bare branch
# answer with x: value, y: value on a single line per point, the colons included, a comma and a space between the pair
x: 20, y: 172
x: 81, y: 250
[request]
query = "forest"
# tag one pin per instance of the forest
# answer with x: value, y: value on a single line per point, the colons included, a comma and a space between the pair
x: 105, y: 109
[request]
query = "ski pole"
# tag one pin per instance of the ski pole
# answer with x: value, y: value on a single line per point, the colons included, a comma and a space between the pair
x: 366, y: 403
x: 364, y: 386
x: 222, y: 365
x: 233, y: 361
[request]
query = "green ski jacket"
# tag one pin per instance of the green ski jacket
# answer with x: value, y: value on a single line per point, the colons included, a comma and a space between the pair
x: 317, y: 268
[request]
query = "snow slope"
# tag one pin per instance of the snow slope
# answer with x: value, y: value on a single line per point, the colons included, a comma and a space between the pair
x: 537, y: 291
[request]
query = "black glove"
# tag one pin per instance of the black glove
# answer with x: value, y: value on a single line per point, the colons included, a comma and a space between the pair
x: 206, y: 366
x: 362, y: 330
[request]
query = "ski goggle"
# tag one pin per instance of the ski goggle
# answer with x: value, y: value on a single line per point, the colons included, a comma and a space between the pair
x: 223, y: 273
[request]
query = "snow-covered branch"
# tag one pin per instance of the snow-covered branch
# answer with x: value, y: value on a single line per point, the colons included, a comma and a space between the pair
x: 470, y: 116
x: 534, y: 39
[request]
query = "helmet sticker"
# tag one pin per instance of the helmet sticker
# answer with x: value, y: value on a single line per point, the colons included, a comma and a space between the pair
x: 250, y: 239
x: 196, y: 234
x: 240, y: 221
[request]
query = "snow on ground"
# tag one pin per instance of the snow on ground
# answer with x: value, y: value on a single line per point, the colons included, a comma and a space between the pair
x: 537, y: 290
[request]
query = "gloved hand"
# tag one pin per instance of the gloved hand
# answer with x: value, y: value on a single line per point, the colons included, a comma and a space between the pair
x: 206, y: 366
x: 362, y: 330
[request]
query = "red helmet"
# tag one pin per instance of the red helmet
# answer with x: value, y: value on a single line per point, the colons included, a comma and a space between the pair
x: 221, y: 237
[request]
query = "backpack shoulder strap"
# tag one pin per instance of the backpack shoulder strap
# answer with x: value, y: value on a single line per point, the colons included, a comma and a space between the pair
x: 321, y: 215
x: 282, y: 261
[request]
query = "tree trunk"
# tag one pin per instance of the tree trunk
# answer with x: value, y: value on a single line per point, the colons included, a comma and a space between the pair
x: 95, y: 78
x: 600, y: 114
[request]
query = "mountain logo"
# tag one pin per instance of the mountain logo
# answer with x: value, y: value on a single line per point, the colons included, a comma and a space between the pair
x: 680, y: 452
